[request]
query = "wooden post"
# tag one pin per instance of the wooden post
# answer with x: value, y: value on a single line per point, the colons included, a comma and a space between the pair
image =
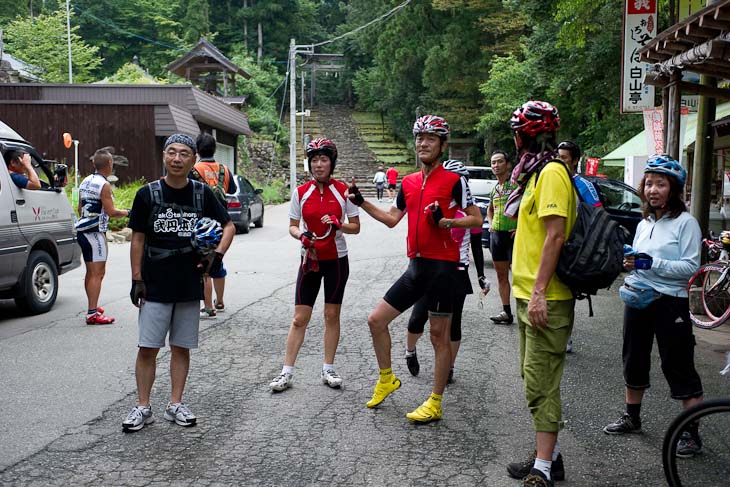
x: 673, y: 145
x: 665, y: 115
x: 704, y: 160
x: 313, y: 87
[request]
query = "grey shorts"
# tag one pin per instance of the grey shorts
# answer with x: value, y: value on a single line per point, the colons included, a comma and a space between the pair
x: 180, y: 319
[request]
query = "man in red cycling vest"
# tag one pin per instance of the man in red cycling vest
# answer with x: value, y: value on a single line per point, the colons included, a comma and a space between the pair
x: 431, y: 197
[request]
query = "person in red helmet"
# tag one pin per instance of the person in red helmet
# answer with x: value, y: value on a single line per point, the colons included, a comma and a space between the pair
x: 431, y: 197
x: 546, y: 206
x: 322, y: 206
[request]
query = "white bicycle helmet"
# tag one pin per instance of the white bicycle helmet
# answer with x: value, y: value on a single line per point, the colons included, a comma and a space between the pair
x: 456, y: 166
x: 431, y: 124
x: 206, y: 236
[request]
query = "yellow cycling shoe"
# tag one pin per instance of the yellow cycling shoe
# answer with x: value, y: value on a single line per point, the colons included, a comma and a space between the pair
x: 425, y: 413
x: 383, y: 390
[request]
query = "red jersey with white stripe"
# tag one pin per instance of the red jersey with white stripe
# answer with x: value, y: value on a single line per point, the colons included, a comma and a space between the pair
x: 309, y: 205
x: 425, y: 238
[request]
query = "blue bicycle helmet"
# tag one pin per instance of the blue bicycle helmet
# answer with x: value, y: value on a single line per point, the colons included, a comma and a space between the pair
x: 206, y: 236
x: 663, y: 164
x: 456, y: 166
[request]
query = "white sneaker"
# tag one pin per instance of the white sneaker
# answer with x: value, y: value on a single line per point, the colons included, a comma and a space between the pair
x: 180, y: 414
x: 138, y: 418
x: 331, y: 378
x: 281, y: 382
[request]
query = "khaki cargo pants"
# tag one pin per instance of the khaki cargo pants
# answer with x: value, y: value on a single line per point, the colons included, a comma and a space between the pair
x: 542, y: 359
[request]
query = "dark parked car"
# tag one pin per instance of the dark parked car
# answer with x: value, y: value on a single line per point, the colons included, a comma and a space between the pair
x: 621, y: 201
x: 246, y: 206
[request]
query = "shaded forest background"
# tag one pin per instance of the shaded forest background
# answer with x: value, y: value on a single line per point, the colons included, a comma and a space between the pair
x: 473, y: 61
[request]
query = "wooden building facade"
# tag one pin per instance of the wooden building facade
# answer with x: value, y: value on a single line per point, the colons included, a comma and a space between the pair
x: 134, y: 119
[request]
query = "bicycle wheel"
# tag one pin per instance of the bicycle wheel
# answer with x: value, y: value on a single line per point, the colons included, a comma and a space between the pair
x: 712, y: 465
x: 713, y: 289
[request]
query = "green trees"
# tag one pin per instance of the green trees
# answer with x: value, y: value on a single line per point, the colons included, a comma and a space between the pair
x: 472, y: 61
x: 151, y: 30
x: 41, y: 42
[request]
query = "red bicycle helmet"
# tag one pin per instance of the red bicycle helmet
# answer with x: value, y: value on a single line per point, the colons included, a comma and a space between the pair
x: 322, y: 146
x: 431, y: 124
x: 535, y: 117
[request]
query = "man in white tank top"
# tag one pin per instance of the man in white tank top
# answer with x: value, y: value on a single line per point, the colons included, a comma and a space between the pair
x: 96, y: 206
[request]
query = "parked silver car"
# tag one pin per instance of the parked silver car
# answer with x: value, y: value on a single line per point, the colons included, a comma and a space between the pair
x: 246, y: 206
x: 37, y: 236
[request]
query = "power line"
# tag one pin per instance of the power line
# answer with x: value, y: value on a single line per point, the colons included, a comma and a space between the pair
x: 123, y: 31
x: 278, y: 128
x: 261, y: 106
x: 354, y: 31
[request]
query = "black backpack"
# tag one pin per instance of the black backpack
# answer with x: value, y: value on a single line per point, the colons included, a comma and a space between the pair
x: 592, y: 256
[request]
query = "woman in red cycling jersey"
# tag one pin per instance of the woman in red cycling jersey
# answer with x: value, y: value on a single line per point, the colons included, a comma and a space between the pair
x: 321, y: 204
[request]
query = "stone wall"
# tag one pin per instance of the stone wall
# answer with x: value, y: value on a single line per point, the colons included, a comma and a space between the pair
x: 258, y: 160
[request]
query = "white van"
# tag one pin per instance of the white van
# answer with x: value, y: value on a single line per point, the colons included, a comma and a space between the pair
x: 481, y: 180
x: 37, y: 236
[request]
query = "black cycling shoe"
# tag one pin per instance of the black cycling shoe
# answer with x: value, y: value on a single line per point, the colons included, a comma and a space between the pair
x: 625, y: 424
x: 520, y: 470
x: 412, y: 361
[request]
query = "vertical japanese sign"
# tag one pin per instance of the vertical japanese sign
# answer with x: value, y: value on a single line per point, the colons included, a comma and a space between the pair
x: 654, y: 130
x: 592, y: 166
x: 640, y: 25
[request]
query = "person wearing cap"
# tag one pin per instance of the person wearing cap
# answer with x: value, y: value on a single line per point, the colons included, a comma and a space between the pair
x: 167, y: 274
x: 431, y: 197
x: 546, y: 209
x: 670, y: 238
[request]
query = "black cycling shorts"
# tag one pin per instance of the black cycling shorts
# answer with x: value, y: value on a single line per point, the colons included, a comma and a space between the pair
x: 334, y: 272
x: 435, y: 280
x: 419, y: 313
x: 668, y: 320
x: 500, y: 245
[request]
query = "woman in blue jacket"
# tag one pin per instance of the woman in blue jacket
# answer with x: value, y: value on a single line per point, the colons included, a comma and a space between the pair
x: 657, y: 304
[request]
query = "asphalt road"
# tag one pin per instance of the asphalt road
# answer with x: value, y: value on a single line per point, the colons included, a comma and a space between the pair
x: 66, y: 387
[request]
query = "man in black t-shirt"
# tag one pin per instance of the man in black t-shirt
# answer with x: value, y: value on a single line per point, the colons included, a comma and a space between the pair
x: 167, y: 275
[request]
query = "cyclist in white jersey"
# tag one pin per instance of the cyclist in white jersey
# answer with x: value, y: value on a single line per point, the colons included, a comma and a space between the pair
x: 96, y: 206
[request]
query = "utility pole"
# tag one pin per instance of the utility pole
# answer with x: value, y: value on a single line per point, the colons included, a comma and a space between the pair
x: 292, y: 116
x: 68, y: 34
x: 306, y: 49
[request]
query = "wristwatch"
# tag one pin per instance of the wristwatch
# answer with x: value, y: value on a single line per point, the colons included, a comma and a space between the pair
x: 449, y: 223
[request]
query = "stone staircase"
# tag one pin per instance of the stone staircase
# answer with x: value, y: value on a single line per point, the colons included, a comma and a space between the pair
x: 354, y: 158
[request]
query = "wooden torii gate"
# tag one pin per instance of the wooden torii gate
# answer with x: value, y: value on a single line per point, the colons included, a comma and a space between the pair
x: 320, y: 62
